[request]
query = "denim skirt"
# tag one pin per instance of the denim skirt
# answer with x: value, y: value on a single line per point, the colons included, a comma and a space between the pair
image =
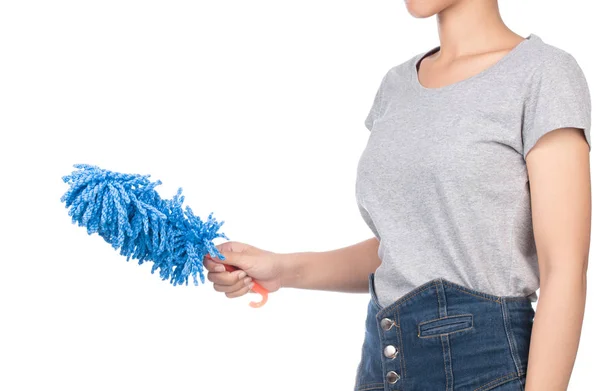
x: 442, y: 336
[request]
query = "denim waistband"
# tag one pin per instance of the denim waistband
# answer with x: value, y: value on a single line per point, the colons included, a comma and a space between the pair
x: 441, y: 281
x: 443, y: 335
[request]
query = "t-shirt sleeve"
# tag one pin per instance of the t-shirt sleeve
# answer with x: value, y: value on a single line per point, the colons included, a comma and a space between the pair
x: 376, y: 105
x: 559, y: 98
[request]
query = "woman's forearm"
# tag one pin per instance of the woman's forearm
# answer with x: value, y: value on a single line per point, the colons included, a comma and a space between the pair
x: 556, y: 332
x: 344, y: 270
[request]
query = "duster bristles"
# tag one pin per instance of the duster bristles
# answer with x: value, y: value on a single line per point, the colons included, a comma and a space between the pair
x: 126, y: 211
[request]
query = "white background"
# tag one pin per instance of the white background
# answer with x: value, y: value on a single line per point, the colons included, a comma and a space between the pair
x: 256, y: 109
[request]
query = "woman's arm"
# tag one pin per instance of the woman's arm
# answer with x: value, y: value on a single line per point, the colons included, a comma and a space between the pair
x: 344, y: 270
x: 559, y: 177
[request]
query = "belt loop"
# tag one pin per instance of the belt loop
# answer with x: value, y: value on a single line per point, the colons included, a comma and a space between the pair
x: 441, y: 294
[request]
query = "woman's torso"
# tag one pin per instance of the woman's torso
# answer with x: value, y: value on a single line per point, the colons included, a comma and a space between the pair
x: 443, y: 183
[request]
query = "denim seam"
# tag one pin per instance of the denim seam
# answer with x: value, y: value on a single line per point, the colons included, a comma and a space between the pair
x: 509, y: 336
x: 481, y: 295
x: 446, y: 339
x: 496, y: 382
x: 392, y: 307
x: 437, y: 295
x: 371, y: 387
x: 444, y: 359
x: 452, y: 284
x: 486, y: 295
x: 401, y: 348
x: 446, y: 317
x: 441, y: 334
x: 516, y: 298
x: 522, y: 381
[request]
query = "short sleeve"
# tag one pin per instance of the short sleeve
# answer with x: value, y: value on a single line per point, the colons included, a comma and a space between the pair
x: 559, y: 97
x: 376, y: 105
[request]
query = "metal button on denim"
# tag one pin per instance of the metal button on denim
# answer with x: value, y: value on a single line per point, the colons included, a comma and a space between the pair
x: 390, y: 351
x: 392, y: 377
x: 386, y: 323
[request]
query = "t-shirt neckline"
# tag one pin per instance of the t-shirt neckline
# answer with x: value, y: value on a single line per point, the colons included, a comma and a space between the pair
x: 417, y: 59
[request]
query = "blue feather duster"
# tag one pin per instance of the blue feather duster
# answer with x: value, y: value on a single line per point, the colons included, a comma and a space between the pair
x: 128, y: 213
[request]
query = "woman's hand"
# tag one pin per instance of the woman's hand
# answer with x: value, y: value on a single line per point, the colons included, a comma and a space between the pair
x: 255, y: 264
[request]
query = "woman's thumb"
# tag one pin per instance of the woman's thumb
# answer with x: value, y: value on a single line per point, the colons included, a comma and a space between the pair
x: 232, y: 246
x: 233, y: 258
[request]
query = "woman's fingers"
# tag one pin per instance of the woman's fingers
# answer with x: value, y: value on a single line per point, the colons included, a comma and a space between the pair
x: 229, y: 288
x: 234, y: 258
x: 240, y: 292
x: 226, y: 278
x: 234, y: 284
x: 213, y: 266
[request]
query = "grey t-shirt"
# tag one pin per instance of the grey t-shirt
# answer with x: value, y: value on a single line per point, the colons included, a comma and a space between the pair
x: 442, y: 181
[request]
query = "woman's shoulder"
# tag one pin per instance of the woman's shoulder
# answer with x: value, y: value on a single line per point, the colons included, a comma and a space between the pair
x: 550, y: 60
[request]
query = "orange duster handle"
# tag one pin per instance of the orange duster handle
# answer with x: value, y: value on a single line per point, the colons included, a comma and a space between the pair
x: 256, y: 288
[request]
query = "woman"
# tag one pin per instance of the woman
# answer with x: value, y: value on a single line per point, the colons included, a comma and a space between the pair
x: 477, y: 147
